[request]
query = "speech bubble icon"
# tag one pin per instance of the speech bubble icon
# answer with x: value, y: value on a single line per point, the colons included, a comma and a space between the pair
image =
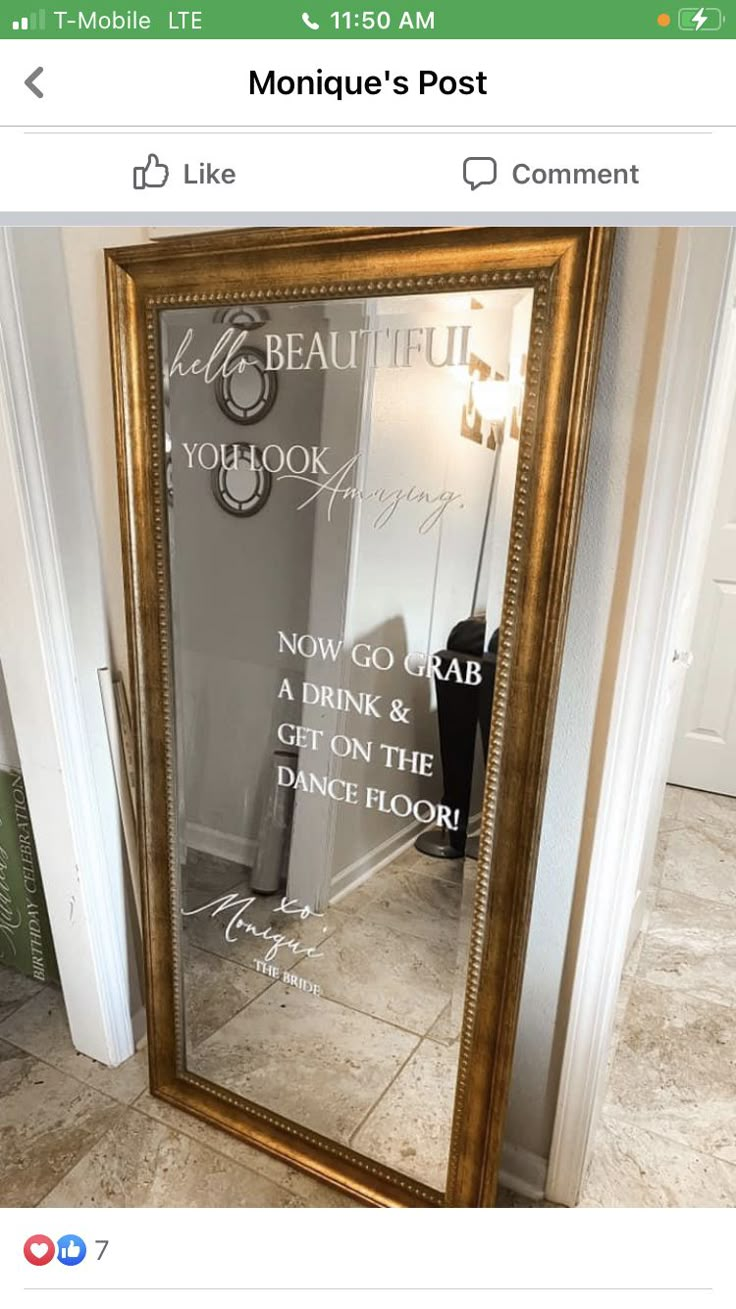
x: 479, y: 170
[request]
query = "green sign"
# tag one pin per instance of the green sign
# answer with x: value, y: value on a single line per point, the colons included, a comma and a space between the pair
x: 25, y: 936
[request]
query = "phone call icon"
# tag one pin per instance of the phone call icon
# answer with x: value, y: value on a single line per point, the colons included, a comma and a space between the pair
x: 310, y: 22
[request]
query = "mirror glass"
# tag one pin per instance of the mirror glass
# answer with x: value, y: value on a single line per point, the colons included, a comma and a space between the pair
x: 340, y: 486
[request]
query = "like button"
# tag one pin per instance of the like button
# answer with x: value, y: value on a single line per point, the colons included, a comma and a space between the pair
x: 152, y: 173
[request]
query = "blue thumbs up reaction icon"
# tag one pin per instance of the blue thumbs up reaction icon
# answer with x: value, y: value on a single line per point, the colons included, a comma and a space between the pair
x: 71, y: 1250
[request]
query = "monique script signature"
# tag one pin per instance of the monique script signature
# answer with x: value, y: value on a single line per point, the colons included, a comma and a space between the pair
x: 334, y: 487
x: 237, y: 925
x: 10, y: 919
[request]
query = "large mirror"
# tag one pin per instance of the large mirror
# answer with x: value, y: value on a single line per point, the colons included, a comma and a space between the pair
x: 351, y: 473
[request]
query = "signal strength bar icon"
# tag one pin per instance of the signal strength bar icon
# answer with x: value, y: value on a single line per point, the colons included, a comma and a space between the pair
x: 35, y: 22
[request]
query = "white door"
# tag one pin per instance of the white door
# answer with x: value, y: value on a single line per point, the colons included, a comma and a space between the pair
x: 704, y: 756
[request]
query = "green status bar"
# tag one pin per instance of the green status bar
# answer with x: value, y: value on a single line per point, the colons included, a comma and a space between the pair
x: 447, y: 20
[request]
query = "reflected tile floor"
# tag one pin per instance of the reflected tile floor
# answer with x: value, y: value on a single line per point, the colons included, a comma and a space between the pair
x: 389, y: 973
x: 409, y: 1128
x: 319, y: 1063
x: 668, y: 1130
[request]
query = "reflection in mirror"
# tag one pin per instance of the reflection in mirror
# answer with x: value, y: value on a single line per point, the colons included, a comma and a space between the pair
x: 337, y: 575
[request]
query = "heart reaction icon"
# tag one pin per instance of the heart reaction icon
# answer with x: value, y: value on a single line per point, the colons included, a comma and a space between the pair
x: 39, y: 1250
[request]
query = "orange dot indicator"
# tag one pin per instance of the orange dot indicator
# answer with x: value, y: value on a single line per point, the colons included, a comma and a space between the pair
x: 664, y: 20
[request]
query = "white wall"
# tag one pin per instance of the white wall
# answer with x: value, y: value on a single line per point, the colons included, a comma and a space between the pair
x: 619, y: 436
x: 83, y: 254
x: 9, y: 757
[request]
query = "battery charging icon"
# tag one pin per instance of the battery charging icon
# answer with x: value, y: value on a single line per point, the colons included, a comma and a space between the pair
x: 706, y: 18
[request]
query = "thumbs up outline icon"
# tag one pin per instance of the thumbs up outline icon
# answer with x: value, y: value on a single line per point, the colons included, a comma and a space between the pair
x: 152, y: 173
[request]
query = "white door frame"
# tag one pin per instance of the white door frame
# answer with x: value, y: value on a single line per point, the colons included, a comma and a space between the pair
x: 702, y: 758
x: 694, y: 398
x: 53, y: 640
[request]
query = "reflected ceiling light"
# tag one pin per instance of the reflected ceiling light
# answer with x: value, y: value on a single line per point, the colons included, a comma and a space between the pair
x: 494, y: 399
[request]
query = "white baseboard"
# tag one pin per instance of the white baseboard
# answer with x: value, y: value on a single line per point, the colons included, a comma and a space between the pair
x: 522, y: 1171
x: 368, y: 864
x: 238, y: 849
x: 351, y: 877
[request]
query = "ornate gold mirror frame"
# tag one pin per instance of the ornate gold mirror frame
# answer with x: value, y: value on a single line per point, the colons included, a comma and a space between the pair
x: 567, y: 270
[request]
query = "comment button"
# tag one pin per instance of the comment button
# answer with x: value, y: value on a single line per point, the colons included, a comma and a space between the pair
x: 479, y: 170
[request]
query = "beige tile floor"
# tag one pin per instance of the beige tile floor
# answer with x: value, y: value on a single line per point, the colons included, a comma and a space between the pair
x: 377, y: 1054
x: 74, y: 1133
x: 667, y: 1137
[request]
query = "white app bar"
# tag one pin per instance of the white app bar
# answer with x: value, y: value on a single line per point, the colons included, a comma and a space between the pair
x: 193, y: 83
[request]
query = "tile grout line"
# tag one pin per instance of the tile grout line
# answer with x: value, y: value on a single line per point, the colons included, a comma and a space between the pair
x: 221, y: 1152
x: 690, y: 895
x: 158, y: 1122
x: 669, y: 1140
x: 341, y: 1004
x: 425, y: 1035
x: 63, y: 1072
x: 386, y: 1090
x: 673, y: 991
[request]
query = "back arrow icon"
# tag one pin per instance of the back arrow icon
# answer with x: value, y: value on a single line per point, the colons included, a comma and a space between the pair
x: 30, y: 82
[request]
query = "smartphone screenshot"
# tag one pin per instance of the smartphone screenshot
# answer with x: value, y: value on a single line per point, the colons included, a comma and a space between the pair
x: 368, y: 654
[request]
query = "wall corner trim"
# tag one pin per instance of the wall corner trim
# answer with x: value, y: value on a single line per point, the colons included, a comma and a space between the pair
x: 52, y: 700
